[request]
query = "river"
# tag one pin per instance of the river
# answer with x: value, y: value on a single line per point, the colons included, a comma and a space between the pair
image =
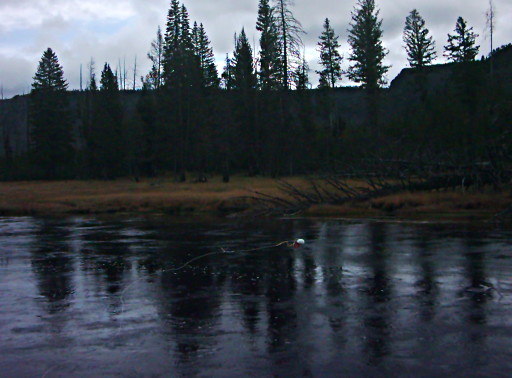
x: 176, y: 297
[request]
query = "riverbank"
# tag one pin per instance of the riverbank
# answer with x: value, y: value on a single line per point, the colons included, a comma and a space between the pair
x: 215, y: 197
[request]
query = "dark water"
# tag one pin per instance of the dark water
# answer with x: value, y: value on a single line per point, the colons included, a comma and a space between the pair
x: 86, y: 297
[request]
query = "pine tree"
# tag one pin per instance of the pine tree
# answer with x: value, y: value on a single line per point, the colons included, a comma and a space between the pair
x: 420, y: 47
x: 173, y: 29
x: 365, y: 40
x: 49, y: 76
x: 104, y: 137
x: 108, y: 82
x: 204, y: 52
x: 50, y: 119
x: 289, y: 32
x: 178, y: 44
x: 227, y: 74
x: 301, y: 77
x: 243, y: 65
x: 183, y: 80
x: 270, y: 62
x: 185, y: 41
x: 154, y: 79
x: 461, y: 45
x: 330, y: 57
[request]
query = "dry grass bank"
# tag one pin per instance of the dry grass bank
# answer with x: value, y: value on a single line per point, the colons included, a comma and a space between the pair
x: 165, y: 195
x: 456, y: 204
x: 124, y: 195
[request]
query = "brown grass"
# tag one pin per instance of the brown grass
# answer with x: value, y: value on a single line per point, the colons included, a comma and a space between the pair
x: 442, y: 204
x: 167, y: 196
x: 124, y: 195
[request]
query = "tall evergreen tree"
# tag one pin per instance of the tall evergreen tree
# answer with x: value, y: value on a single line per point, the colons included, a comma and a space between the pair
x: 172, y: 29
x: 270, y: 61
x: 104, y: 136
x: 461, y: 45
x: 50, y: 119
x: 181, y: 66
x: 302, y: 75
x: 154, y: 79
x: 49, y: 76
x: 420, y: 47
x: 365, y: 39
x: 227, y: 74
x: 204, y: 52
x: 185, y: 31
x: 330, y: 57
x: 182, y: 78
x: 289, y: 32
x: 108, y: 81
x: 243, y: 65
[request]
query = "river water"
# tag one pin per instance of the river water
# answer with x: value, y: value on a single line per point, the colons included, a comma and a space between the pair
x: 115, y: 297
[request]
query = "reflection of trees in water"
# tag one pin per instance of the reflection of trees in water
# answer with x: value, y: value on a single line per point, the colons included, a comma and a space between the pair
x: 248, y: 281
x: 189, y: 306
x: 106, y: 256
x: 332, y: 273
x: 479, y: 291
x: 281, y: 287
x: 52, y: 263
x: 428, y: 288
x: 378, y: 290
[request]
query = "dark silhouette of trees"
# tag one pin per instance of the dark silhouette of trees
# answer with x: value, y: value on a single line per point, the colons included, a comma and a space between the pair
x: 244, y: 75
x: 289, y: 31
x: 244, y: 83
x: 330, y: 57
x: 104, y: 137
x: 181, y: 67
x: 365, y: 40
x: 367, y: 55
x: 270, y: 60
x: 91, y: 84
x: 187, y: 120
x: 302, y: 75
x: 154, y: 79
x: 420, y: 47
x: 461, y: 45
x: 50, y: 119
x: 182, y: 82
x: 204, y: 52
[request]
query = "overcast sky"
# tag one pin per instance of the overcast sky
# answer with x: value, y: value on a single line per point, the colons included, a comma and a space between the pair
x: 116, y: 31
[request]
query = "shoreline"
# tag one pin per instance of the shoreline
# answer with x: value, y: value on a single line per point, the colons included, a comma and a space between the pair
x: 164, y: 196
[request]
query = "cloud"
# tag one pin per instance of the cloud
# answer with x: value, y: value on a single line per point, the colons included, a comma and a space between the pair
x: 118, y: 30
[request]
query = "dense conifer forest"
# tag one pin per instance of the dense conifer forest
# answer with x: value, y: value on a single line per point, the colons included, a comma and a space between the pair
x: 260, y: 116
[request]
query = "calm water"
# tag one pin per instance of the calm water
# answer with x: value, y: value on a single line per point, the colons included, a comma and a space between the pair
x: 95, y: 297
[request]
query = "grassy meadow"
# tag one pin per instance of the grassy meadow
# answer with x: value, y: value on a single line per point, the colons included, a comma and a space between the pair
x: 215, y: 197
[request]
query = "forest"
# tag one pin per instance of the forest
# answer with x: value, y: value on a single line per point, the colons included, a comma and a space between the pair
x: 260, y: 116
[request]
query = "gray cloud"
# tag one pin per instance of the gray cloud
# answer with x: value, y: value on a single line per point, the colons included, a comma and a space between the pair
x: 119, y: 30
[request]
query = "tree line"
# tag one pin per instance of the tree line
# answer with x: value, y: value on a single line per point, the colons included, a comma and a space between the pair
x: 191, y: 118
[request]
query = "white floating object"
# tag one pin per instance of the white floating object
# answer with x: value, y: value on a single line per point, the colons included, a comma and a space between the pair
x: 297, y: 243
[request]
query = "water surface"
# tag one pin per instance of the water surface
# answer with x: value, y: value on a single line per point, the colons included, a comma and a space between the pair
x: 107, y: 297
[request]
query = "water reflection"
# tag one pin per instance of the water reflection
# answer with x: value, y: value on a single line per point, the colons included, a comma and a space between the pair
x: 377, y: 287
x: 357, y: 298
x: 52, y: 264
x: 426, y: 283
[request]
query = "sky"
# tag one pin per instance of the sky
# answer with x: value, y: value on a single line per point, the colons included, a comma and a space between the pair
x: 120, y: 32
